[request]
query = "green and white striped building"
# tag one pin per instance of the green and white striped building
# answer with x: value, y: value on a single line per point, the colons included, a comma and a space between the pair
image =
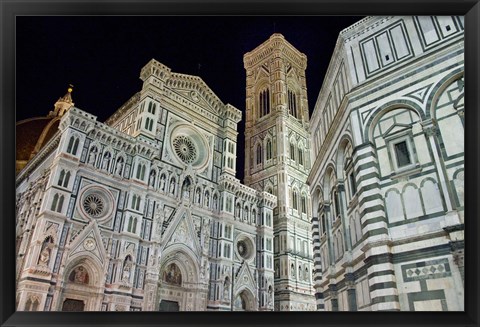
x: 387, y: 177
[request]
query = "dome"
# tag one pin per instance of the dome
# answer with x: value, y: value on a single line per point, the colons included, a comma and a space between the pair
x: 33, y: 133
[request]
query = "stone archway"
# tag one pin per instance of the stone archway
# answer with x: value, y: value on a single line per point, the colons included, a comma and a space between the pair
x: 80, y: 290
x: 179, y: 288
x: 244, y: 301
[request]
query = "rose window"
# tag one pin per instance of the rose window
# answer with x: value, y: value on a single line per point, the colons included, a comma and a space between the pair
x: 93, y: 205
x: 185, y: 149
x: 245, y: 248
x: 242, y: 248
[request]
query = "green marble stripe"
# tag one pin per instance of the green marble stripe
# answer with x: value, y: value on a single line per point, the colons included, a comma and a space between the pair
x: 381, y: 286
x: 385, y: 299
x: 374, y: 220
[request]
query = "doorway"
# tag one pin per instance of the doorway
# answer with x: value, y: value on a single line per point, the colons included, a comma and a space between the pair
x: 171, y: 306
x: 73, y: 305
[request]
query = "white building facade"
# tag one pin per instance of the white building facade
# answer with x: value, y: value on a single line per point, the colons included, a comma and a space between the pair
x: 138, y: 213
x: 387, y: 182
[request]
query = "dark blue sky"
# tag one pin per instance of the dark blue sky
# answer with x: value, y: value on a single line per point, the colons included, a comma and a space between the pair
x: 102, y: 56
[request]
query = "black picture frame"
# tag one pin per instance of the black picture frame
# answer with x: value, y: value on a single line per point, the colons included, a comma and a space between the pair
x: 9, y: 9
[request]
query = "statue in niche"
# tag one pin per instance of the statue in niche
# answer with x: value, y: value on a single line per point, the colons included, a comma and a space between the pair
x: 205, y: 234
x: 92, y: 156
x: 172, y: 186
x: 207, y: 200
x: 44, y: 257
x: 186, y: 193
x: 270, y: 296
x: 226, y: 290
x: 162, y: 182
x: 119, y: 167
x: 126, y: 273
x: 152, y: 178
x: 205, y: 269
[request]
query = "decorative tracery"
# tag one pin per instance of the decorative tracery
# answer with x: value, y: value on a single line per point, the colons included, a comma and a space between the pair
x: 185, y: 149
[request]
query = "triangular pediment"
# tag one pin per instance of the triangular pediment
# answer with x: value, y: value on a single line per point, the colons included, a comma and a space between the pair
x: 262, y: 73
x: 89, y: 242
x: 182, y: 231
x: 194, y: 89
x: 244, y: 278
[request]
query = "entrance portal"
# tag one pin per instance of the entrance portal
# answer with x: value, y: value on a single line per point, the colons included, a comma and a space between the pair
x: 73, y: 305
x: 169, y: 306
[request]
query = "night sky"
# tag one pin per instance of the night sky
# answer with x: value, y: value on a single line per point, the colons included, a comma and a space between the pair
x: 102, y: 56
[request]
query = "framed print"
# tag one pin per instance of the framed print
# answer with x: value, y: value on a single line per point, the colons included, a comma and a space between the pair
x: 274, y: 163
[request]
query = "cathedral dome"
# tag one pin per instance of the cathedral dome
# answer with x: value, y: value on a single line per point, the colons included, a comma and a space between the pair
x: 33, y: 133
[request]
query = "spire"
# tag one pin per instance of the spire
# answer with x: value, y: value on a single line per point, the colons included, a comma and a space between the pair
x: 63, y: 104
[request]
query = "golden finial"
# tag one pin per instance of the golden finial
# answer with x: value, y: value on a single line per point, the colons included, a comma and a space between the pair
x: 70, y: 88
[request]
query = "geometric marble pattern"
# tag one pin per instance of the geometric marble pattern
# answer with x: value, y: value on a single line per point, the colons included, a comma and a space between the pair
x: 426, y: 270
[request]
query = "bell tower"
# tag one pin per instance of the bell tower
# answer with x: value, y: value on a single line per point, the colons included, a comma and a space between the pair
x: 277, y: 160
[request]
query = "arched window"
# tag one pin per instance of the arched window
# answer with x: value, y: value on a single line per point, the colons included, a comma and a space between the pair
x: 259, y: 154
x: 130, y: 222
x: 57, y: 203
x: 147, y: 123
x: 300, y: 156
x: 141, y: 171
x: 324, y: 224
x: 292, y: 104
x: 61, y: 178
x: 66, y: 180
x: 264, y: 102
x: 72, y: 145
x: 54, y: 202
x: 269, y: 149
x: 292, y: 151
x: 304, y: 204
x: 295, y: 200
x: 134, y: 227
x: 136, y: 202
x: 336, y: 204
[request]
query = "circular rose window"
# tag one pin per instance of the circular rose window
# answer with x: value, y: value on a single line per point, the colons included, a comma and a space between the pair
x: 96, y: 202
x: 189, y: 146
x: 185, y: 149
x: 94, y: 205
x: 245, y: 247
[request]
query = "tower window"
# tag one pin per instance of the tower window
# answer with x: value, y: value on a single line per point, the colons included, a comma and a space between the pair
x: 264, y: 103
x: 295, y: 200
x: 269, y: 149
x: 300, y: 156
x: 292, y: 104
x: 292, y: 151
x: 259, y: 154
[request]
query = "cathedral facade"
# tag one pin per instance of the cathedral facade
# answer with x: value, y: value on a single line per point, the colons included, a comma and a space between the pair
x: 142, y: 212
x: 358, y: 207
x: 387, y: 182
